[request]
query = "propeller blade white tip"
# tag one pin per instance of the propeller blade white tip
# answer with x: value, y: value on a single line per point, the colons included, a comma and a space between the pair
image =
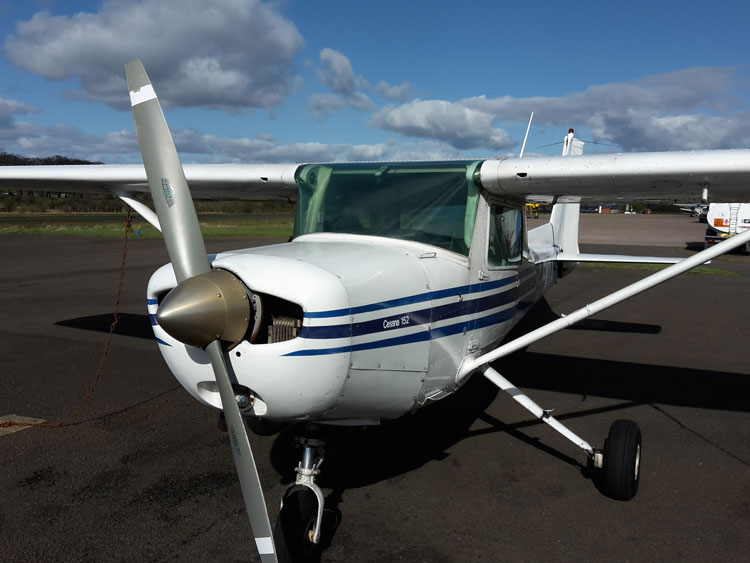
x: 142, y: 94
x: 265, y: 545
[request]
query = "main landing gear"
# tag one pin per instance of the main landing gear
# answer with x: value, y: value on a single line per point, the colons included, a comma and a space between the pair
x: 622, y: 460
x: 297, y: 531
x: 619, y: 462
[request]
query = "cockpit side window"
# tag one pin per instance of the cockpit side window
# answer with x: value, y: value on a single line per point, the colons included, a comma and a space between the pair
x: 506, y: 236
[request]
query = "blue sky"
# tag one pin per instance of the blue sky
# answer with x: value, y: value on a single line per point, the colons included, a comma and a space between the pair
x: 303, y: 80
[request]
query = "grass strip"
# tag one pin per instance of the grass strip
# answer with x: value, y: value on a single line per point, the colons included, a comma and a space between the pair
x: 275, y: 227
x: 656, y: 267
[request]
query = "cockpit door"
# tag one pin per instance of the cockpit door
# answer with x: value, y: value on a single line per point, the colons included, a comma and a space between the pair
x: 496, y: 258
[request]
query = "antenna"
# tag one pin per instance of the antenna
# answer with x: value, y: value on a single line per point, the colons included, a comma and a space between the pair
x: 525, y: 137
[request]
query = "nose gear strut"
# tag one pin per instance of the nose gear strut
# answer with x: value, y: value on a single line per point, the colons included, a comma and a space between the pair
x: 307, y: 469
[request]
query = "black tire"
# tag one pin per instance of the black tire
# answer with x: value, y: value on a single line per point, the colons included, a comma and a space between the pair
x: 293, y: 525
x: 622, y: 460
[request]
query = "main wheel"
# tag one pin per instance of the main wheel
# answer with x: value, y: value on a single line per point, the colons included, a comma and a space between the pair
x: 294, y: 527
x: 622, y: 460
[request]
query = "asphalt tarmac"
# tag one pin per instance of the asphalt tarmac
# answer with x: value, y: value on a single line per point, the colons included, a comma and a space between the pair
x: 144, y: 475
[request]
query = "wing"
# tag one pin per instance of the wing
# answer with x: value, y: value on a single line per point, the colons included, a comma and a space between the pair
x: 253, y: 181
x: 661, y: 175
x: 655, y: 175
x: 243, y: 181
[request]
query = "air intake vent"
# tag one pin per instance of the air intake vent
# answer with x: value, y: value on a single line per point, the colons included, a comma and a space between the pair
x: 275, y: 320
x: 283, y: 328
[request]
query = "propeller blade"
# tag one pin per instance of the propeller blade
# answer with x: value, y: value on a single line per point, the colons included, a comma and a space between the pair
x: 243, y: 458
x: 166, y: 179
x: 187, y: 251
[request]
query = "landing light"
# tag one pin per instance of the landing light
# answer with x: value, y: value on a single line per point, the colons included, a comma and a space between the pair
x: 243, y: 396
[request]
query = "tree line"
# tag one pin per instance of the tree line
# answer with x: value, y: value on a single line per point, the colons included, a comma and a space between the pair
x: 8, y: 159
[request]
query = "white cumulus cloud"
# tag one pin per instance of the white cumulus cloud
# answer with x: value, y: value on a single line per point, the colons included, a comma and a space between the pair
x: 227, y: 54
x: 348, y: 88
x: 9, y: 108
x: 693, y: 108
x: 460, y: 126
x: 338, y: 74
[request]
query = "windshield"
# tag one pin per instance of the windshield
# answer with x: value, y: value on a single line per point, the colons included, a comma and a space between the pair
x: 430, y: 202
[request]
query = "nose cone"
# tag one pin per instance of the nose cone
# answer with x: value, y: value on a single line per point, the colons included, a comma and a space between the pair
x: 204, y: 308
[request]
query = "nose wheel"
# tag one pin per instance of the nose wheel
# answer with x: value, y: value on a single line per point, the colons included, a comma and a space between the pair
x: 297, y: 531
x: 295, y: 528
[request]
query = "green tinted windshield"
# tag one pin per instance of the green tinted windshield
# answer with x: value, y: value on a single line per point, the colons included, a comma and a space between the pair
x: 430, y: 202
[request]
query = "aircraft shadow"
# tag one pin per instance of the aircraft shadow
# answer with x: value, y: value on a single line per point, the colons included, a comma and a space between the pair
x: 541, y: 313
x: 629, y: 381
x: 128, y: 324
x: 392, y: 448
x: 696, y: 246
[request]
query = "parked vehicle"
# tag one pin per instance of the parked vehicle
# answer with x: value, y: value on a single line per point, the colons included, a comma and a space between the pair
x: 726, y: 220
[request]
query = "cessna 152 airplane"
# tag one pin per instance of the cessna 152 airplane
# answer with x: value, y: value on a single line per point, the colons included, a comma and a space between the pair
x: 401, y: 281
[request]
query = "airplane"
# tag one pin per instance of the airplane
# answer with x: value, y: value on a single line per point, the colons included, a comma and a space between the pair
x: 401, y: 281
x: 699, y: 210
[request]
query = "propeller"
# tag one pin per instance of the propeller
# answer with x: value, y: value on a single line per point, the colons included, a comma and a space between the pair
x: 208, y: 307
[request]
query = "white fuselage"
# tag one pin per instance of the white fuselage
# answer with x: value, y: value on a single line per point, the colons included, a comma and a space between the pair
x: 386, y: 324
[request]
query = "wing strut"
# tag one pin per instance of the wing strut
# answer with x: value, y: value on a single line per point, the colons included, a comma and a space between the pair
x: 543, y: 414
x: 471, y: 365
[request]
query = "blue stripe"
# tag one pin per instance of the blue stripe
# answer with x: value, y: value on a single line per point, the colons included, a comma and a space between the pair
x: 415, y: 337
x: 152, y: 301
x: 160, y: 341
x: 414, y: 318
x: 419, y: 298
x: 152, y: 318
x: 408, y: 339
